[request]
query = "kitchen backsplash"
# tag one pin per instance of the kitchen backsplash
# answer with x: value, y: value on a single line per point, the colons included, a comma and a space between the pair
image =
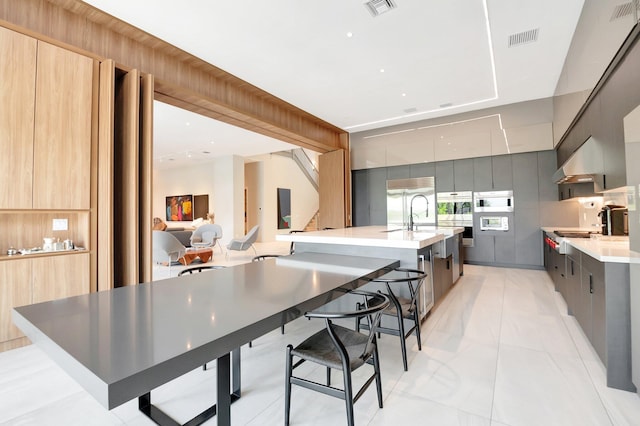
x: 590, y: 207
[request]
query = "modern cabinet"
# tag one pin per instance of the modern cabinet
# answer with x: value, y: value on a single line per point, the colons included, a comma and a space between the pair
x: 15, y: 290
x: 463, y: 174
x: 597, y: 294
x: 573, y: 281
x: 62, y: 132
x: 444, y: 176
x: 482, y: 174
x: 17, y: 94
x: 47, y: 146
x: 502, y: 172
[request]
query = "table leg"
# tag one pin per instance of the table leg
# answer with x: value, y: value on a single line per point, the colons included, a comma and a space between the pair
x: 228, y: 372
x: 224, y: 382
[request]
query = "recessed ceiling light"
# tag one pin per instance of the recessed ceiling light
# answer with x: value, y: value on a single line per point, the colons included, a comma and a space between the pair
x: 187, y: 123
x: 404, y: 94
x: 349, y: 34
x: 381, y: 69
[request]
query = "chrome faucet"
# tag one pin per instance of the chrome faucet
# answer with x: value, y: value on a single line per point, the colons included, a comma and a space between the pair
x: 426, y: 210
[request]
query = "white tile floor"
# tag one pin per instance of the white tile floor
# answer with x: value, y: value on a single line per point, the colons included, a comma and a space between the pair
x: 499, y: 351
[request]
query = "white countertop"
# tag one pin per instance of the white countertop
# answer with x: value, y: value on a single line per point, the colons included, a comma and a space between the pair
x: 375, y: 236
x: 603, y: 248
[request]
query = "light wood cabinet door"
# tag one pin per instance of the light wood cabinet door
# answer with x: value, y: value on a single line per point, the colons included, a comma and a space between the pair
x: 55, y: 277
x: 17, y: 94
x: 15, y: 290
x: 62, y: 135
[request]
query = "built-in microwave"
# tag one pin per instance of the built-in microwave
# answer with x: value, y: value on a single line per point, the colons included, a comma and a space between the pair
x: 493, y: 201
x: 494, y: 223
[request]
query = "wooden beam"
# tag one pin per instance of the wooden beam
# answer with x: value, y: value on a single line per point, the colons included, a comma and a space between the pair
x: 180, y: 77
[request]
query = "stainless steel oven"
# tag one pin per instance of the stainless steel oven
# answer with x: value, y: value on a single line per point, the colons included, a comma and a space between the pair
x: 456, y: 209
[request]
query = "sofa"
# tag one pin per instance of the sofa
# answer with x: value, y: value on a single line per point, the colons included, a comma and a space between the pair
x: 183, y: 235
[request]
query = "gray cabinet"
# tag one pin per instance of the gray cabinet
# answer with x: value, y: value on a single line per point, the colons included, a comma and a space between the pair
x: 483, y: 250
x: 369, y: 197
x: 502, y: 172
x: 444, y: 176
x: 360, y: 196
x: 597, y: 294
x: 463, y: 175
x: 422, y: 170
x: 573, y: 280
x: 482, y: 174
x: 399, y: 172
x: 505, y: 249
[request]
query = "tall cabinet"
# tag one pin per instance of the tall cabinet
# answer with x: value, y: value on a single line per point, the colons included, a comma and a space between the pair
x: 47, y: 147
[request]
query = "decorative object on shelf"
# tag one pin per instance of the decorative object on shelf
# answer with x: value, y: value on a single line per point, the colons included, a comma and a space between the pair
x: 47, y: 244
x: 11, y: 251
x: 180, y: 207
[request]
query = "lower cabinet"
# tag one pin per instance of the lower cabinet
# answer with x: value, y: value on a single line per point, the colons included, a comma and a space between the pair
x: 572, y: 282
x: 598, y: 295
x: 26, y: 280
x: 443, y: 276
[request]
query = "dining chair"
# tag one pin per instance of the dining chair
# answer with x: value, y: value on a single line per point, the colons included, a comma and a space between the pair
x: 337, y: 347
x: 199, y: 268
x: 402, y: 308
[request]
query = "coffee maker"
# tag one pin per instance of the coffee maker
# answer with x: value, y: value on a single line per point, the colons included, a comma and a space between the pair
x: 614, y: 220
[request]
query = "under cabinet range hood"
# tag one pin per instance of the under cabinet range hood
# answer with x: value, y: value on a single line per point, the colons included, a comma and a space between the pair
x: 584, y: 165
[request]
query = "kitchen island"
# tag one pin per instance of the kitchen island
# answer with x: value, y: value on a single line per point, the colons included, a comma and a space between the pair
x: 433, y: 249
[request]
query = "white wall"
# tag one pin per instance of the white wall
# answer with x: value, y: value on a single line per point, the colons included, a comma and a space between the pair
x: 225, y: 179
x: 273, y: 172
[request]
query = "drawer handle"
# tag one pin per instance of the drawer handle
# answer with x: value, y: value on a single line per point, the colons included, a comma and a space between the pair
x: 590, y: 283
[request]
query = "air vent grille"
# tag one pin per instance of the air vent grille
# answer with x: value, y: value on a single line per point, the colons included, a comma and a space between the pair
x: 410, y: 110
x: 378, y: 7
x: 622, y: 10
x: 524, y: 37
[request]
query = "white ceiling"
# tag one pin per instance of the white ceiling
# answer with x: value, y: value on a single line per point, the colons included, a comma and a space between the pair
x: 439, y: 57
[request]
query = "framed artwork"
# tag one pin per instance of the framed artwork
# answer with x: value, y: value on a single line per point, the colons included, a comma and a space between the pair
x: 179, y: 208
x: 284, y: 208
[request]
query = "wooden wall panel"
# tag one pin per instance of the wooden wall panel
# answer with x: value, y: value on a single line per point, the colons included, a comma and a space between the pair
x: 17, y: 97
x: 331, y: 190
x: 145, y: 211
x: 105, y: 168
x: 63, y: 132
x: 126, y: 172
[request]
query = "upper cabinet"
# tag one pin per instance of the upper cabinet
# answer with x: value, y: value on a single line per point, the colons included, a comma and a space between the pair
x: 46, y: 125
x: 62, y: 135
x: 17, y: 94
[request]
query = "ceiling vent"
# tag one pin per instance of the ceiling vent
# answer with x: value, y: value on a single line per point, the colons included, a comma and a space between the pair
x: 410, y: 110
x: 622, y: 10
x: 524, y: 37
x: 378, y: 7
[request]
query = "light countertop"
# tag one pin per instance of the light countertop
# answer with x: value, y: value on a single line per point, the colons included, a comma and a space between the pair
x: 613, y: 249
x: 375, y: 236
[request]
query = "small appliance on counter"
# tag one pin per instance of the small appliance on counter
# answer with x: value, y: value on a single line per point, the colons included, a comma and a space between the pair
x: 614, y: 220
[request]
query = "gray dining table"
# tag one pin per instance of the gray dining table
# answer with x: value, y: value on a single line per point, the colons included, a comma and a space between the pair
x: 121, y: 344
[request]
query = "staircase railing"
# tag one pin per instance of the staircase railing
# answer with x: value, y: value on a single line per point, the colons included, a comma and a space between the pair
x: 304, y: 162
